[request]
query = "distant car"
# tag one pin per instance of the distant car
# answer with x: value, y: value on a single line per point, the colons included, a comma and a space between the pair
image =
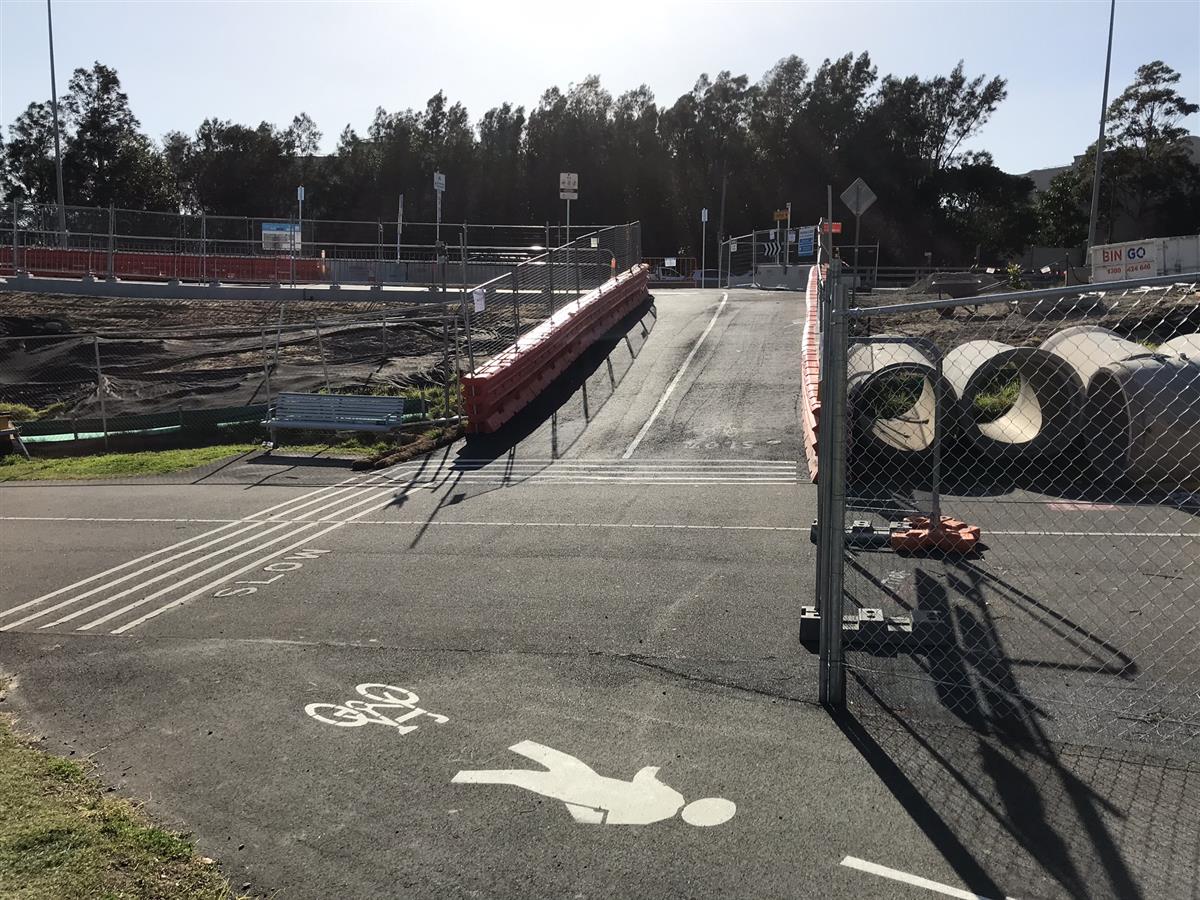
x: 658, y: 273
x: 706, y: 277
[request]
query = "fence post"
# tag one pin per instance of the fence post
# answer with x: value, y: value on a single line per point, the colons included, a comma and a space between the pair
x: 441, y: 252
x: 100, y: 388
x: 267, y: 368
x: 753, y: 257
x: 203, y: 246
x: 321, y: 350
x: 462, y: 252
x: 831, y: 479
x: 549, y: 268
x: 112, y: 227
x: 516, y: 305
x: 16, y: 240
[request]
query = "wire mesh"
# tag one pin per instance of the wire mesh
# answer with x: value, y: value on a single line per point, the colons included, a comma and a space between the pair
x: 1067, y: 430
x: 505, y: 309
x: 139, y: 244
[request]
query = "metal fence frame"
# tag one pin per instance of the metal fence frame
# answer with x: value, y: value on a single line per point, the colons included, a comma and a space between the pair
x: 839, y: 314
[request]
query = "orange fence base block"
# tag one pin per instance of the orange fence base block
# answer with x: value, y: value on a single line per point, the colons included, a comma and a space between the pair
x: 918, y: 534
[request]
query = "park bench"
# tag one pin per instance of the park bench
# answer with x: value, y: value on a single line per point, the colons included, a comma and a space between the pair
x: 334, y: 412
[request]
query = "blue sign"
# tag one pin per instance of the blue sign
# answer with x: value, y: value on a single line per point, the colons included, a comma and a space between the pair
x: 805, y: 240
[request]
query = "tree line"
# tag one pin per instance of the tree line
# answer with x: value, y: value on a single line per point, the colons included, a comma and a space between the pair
x: 739, y: 148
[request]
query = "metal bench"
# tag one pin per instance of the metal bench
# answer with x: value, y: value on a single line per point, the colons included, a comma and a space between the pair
x: 334, y: 412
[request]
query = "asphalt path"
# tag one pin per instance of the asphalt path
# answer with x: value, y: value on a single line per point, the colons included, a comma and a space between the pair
x: 511, y: 669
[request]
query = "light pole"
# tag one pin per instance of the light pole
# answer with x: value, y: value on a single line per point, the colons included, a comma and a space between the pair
x: 1091, y: 238
x: 62, y: 212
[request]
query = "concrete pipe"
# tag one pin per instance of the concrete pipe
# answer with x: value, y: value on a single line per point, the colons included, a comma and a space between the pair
x: 883, y: 375
x: 1186, y: 346
x: 1143, y: 421
x: 1043, y: 417
x: 1089, y: 348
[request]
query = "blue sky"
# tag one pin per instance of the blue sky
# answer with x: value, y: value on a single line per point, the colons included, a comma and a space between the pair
x: 255, y: 60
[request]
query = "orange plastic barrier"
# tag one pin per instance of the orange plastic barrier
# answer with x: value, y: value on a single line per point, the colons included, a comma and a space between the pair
x: 504, y: 385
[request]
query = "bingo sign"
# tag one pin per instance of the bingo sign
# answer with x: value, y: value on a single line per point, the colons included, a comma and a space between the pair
x: 1117, y: 262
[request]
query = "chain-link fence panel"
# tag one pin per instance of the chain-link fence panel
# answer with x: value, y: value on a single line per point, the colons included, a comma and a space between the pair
x: 1020, y: 544
x: 502, y: 310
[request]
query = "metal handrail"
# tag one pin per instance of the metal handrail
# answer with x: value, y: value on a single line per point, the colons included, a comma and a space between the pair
x: 1016, y: 296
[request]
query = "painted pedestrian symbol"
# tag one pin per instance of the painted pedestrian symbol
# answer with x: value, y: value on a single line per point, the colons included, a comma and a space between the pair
x: 596, y: 799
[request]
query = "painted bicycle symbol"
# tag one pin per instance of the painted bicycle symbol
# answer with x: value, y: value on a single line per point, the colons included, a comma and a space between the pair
x: 355, y: 713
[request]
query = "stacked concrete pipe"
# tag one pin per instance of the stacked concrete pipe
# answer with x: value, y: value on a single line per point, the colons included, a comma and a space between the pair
x: 1146, y: 412
x: 1186, y: 346
x: 1042, y: 421
x: 1142, y: 408
x: 909, y: 435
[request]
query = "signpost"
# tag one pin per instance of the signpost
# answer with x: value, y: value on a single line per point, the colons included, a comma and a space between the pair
x: 858, y: 198
x: 439, y: 185
x: 568, y: 189
x: 781, y: 216
x: 703, y: 245
x: 399, y: 225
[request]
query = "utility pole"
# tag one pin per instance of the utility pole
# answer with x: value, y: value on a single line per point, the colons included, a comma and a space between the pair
x: 1112, y: 11
x: 721, y: 215
x: 62, y: 211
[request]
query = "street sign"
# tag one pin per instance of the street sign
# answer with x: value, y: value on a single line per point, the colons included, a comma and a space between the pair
x: 770, y: 248
x: 858, y: 197
x: 479, y: 295
x: 806, y: 237
x: 568, y: 195
x: 300, y: 193
x: 733, y: 246
x: 792, y: 236
x: 669, y: 262
x: 595, y: 243
x: 439, y: 182
x: 836, y: 229
x: 704, y: 214
x: 781, y: 215
x: 568, y: 181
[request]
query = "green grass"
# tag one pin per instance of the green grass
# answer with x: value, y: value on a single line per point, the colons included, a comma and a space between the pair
x: 20, y: 412
x: 161, y: 462
x: 62, y: 836
x: 893, y: 396
x: 997, y: 395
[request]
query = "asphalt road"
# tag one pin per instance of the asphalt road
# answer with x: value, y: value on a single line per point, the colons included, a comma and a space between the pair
x: 614, y: 587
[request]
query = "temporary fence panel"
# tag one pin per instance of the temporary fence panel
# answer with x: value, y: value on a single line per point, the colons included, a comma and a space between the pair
x: 1009, y: 532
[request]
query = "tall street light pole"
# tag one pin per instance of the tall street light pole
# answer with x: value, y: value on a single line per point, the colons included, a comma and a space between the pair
x: 62, y: 212
x: 1112, y: 10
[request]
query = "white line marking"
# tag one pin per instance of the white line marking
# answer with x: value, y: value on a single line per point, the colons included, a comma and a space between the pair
x: 436, y: 523
x: 219, y: 581
x: 168, y: 549
x: 853, y: 862
x: 220, y: 565
x: 662, y: 401
x: 1166, y: 534
x: 250, y: 526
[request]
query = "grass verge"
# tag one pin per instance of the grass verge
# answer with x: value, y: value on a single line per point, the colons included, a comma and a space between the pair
x: 161, y: 462
x: 62, y: 836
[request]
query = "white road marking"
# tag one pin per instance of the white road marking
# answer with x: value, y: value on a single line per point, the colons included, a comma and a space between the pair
x: 222, y: 564
x: 292, y: 505
x: 437, y: 523
x: 595, y: 799
x: 662, y: 401
x: 354, y: 713
x: 252, y: 526
x: 212, y: 584
x: 853, y: 862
